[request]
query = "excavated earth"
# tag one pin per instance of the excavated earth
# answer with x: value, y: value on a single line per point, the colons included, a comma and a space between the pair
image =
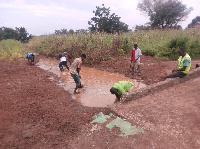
x: 37, y: 113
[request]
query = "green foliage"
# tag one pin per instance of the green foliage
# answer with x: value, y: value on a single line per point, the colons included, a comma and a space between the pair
x: 65, y: 32
x: 19, y: 34
x: 106, y: 22
x: 121, y: 52
x: 126, y: 45
x: 142, y: 27
x: 190, y: 43
x: 103, y: 46
x: 61, y: 31
x: 194, y: 21
x: 164, y: 13
x: 10, y: 49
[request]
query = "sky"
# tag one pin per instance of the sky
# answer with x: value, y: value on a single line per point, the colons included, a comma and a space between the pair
x: 41, y: 17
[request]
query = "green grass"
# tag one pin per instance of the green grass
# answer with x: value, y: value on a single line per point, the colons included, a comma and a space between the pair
x: 10, y: 49
x: 102, y: 46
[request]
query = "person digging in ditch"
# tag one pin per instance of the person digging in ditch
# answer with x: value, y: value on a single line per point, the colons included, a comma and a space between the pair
x: 183, y: 67
x: 197, y: 65
x: 120, y: 88
x: 31, y: 58
x: 75, y: 70
x: 135, y: 59
x: 64, y: 58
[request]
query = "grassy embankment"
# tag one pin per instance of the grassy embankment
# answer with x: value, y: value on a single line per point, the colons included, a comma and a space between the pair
x: 102, y: 46
x: 11, y: 49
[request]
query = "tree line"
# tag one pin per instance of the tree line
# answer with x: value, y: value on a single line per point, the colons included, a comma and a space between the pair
x: 162, y: 14
x: 19, y: 34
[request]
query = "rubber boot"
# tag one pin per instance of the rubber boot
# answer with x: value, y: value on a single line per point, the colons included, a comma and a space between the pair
x: 133, y: 70
x: 139, y: 71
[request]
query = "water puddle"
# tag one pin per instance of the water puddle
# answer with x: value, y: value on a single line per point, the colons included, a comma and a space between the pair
x: 97, y: 84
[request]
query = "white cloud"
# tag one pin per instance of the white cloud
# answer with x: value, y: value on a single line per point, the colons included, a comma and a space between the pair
x: 46, y: 16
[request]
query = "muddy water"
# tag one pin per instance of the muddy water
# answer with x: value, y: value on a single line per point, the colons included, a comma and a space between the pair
x: 97, y: 84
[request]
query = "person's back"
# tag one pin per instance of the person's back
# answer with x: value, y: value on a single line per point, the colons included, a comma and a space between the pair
x: 31, y: 58
x: 120, y: 88
x: 63, y: 61
x: 75, y: 64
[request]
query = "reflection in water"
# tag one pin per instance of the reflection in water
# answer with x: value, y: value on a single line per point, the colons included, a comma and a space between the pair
x: 97, y: 84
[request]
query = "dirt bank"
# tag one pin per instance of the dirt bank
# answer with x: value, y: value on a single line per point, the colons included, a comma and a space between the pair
x: 153, y: 70
x: 36, y: 113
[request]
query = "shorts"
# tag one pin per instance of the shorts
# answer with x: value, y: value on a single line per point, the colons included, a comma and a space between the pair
x: 136, y: 62
x: 77, y: 79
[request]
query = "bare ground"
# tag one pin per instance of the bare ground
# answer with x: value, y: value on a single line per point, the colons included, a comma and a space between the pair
x: 36, y: 113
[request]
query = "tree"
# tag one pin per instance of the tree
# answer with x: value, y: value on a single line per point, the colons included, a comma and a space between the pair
x: 194, y: 21
x: 164, y: 13
x: 22, y: 34
x: 84, y: 31
x: 19, y: 34
x: 61, y: 31
x: 71, y: 31
x: 8, y: 33
x: 142, y: 27
x: 106, y: 22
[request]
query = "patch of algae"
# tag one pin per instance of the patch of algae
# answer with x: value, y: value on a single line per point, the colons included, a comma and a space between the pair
x: 125, y: 127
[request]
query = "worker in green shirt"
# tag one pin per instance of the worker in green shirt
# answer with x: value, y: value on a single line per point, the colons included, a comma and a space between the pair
x: 183, y: 67
x: 120, y: 88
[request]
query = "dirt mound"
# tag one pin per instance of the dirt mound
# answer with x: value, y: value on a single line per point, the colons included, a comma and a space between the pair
x: 34, y: 111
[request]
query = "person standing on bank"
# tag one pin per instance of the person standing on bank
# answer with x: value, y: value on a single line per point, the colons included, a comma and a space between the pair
x: 75, y: 70
x: 183, y: 67
x: 135, y: 59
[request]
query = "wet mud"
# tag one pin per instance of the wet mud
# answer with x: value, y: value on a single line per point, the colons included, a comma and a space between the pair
x: 97, y: 83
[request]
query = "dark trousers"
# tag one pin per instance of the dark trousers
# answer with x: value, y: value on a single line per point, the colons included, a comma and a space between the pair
x: 31, y: 59
x: 77, y: 79
x: 63, y: 63
x: 176, y: 74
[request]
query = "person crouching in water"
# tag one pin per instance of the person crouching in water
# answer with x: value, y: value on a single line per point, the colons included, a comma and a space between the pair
x: 120, y: 88
x: 64, y: 57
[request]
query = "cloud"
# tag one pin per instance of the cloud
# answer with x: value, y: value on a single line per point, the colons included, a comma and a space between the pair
x: 45, y: 16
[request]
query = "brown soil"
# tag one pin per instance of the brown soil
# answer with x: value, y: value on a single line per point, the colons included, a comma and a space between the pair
x: 36, y: 113
x: 153, y: 70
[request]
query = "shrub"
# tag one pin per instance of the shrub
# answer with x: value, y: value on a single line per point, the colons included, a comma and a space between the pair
x: 10, y: 49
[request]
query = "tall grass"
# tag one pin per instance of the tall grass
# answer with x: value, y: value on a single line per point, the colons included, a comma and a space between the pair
x: 103, y: 46
x: 10, y: 49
